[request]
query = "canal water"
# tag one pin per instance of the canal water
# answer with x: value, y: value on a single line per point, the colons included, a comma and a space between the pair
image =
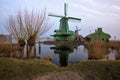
x: 63, y: 55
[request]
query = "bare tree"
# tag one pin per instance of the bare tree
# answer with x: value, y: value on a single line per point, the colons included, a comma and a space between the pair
x: 15, y: 27
x: 27, y: 27
x: 36, y: 25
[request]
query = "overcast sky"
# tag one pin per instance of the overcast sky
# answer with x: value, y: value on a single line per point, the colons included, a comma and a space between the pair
x: 94, y: 13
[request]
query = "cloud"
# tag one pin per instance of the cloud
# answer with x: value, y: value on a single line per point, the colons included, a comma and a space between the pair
x: 98, y: 7
x: 87, y: 9
x: 113, y: 15
x: 115, y: 7
x: 94, y: 3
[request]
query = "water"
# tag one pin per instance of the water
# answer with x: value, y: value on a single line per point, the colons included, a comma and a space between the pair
x: 63, y: 55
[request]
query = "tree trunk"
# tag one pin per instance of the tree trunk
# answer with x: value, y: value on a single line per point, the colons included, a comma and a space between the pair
x: 21, y: 52
x: 31, y: 47
x: 21, y: 48
x: 31, y: 52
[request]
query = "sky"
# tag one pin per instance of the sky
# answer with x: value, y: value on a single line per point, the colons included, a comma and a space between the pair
x: 94, y: 14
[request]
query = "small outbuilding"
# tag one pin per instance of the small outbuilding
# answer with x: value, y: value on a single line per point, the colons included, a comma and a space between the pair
x: 5, y: 38
x: 98, y: 35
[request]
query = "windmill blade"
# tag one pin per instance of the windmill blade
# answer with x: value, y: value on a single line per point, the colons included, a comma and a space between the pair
x: 53, y: 15
x: 74, y: 18
x: 65, y: 9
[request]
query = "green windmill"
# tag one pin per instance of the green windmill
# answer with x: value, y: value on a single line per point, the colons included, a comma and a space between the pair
x: 64, y: 34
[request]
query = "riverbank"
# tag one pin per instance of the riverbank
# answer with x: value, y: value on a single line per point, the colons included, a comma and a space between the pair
x: 62, y: 42
x: 35, y: 69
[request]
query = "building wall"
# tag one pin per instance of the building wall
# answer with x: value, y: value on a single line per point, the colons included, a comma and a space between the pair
x: 5, y: 39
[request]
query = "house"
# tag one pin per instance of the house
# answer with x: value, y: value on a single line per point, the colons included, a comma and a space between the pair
x: 5, y: 38
x: 98, y: 35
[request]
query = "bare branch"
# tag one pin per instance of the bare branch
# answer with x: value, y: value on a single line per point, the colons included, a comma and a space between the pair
x: 25, y: 24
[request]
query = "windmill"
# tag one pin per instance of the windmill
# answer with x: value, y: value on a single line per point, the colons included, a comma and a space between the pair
x: 76, y: 31
x: 77, y: 36
x: 64, y: 33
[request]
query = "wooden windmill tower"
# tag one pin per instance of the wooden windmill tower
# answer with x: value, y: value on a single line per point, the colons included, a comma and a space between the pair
x: 76, y: 31
x: 64, y: 34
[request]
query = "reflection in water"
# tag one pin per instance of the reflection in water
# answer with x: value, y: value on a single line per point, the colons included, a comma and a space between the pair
x: 114, y: 54
x: 64, y: 54
x: 63, y: 51
x: 102, y: 50
x: 96, y: 52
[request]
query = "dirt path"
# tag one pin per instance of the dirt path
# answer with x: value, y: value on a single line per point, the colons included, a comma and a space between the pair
x: 65, y: 75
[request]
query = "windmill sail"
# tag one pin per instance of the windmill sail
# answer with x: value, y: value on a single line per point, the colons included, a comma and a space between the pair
x: 65, y: 9
x: 54, y: 15
x: 64, y: 33
x: 72, y: 18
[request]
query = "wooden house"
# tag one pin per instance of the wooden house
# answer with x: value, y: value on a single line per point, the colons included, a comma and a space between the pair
x: 98, y: 35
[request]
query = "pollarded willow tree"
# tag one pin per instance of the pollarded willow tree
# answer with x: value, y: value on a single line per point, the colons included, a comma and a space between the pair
x: 26, y: 27
x: 15, y: 27
x: 36, y: 25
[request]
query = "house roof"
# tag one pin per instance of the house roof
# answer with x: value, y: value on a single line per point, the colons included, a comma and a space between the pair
x: 98, y: 32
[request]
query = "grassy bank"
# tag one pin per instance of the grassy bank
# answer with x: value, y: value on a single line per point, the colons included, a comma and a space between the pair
x: 35, y: 69
x: 97, y: 70
x: 16, y: 69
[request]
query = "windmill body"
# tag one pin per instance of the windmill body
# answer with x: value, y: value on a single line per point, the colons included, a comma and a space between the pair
x: 64, y: 34
x: 76, y: 31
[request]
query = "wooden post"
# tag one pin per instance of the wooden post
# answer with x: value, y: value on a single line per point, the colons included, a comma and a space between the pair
x: 39, y: 47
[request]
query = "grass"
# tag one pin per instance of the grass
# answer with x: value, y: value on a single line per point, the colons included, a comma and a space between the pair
x: 114, y: 44
x: 97, y: 52
x: 18, y: 69
x: 97, y: 70
x: 36, y: 69
x: 98, y: 49
x: 7, y: 48
x: 98, y: 43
